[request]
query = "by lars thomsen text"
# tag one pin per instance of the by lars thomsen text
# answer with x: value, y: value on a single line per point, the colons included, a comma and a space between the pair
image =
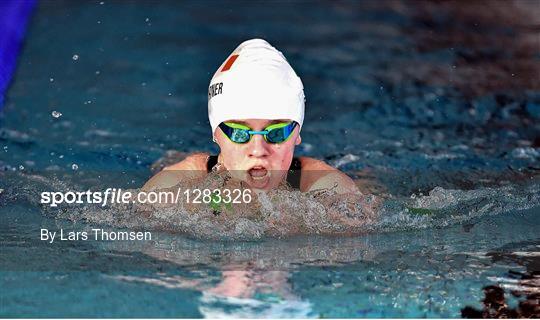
x: 94, y: 234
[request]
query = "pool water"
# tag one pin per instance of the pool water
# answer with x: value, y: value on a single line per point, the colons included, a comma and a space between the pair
x: 432, y: 106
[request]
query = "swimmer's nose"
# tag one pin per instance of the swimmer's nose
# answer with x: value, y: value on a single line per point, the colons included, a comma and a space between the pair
x: 258, y: 147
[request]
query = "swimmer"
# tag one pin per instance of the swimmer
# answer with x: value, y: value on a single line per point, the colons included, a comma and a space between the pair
x: 256, y: 111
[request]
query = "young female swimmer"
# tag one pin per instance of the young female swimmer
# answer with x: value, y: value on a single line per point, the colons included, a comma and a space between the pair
x: 256, y: 110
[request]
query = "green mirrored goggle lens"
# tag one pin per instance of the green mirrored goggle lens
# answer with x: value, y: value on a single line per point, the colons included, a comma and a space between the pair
x: 279, y: 132
x: 276, y: 133
x: 240, y: 136
x: 235, y: 132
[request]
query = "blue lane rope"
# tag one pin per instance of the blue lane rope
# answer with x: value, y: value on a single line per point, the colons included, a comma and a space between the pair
x: 14, y: 16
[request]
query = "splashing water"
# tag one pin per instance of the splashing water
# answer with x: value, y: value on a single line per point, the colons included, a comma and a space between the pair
x: 284, y: 212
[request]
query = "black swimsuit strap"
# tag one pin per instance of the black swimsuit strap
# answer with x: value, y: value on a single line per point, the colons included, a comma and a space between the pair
x: 293, y: 176
x: 212, y: 161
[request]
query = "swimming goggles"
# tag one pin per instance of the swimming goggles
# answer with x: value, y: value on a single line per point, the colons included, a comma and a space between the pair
x: 276, y: 133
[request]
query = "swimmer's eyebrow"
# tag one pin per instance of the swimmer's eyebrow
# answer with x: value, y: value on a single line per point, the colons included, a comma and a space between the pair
x: 238, y: 122
x: 271, y: 121
x: 279, y: 121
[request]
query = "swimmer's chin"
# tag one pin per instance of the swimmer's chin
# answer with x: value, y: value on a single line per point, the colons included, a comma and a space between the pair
x: 259, y: 183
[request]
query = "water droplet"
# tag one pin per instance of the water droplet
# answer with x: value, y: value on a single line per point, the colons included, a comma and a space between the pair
x: 75, y: 57
x: 56, y: 114
x: 98, y: 22
x: 61, y: 156
x: 21, y: 167
x: 74, y: 166
x: 51, y: 79
x: 98, y: 72
x: 170, y: 94
x: 147, y: 19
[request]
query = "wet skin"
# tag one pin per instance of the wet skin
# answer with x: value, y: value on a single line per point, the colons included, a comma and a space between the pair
x: 262, y: 165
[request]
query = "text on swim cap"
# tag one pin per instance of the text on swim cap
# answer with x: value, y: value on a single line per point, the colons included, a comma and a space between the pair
x: 215, y: 89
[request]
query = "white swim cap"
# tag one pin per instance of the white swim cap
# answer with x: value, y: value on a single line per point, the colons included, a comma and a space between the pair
x: 255, y: 82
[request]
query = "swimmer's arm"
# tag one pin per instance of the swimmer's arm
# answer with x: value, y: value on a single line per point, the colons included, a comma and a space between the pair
x: 318, y: 175
x: 323, y: 176
x: 192, y: 167
x: 338, y: 181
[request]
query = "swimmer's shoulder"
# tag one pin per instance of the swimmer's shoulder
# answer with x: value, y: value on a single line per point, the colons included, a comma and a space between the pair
x: 196, y: 161
x: 193, y: 166
x: 317, y: 174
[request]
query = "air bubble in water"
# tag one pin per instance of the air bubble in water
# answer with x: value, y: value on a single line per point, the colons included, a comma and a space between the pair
x: 21, y: 167
x: 75, y: 57
x: 74, y: 166
x: 56, y: 114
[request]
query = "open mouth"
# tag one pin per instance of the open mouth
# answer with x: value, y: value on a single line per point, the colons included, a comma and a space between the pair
x: 258, y: 173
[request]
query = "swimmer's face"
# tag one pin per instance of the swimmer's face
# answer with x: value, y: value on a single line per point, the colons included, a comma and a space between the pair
x: 261, y: 164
